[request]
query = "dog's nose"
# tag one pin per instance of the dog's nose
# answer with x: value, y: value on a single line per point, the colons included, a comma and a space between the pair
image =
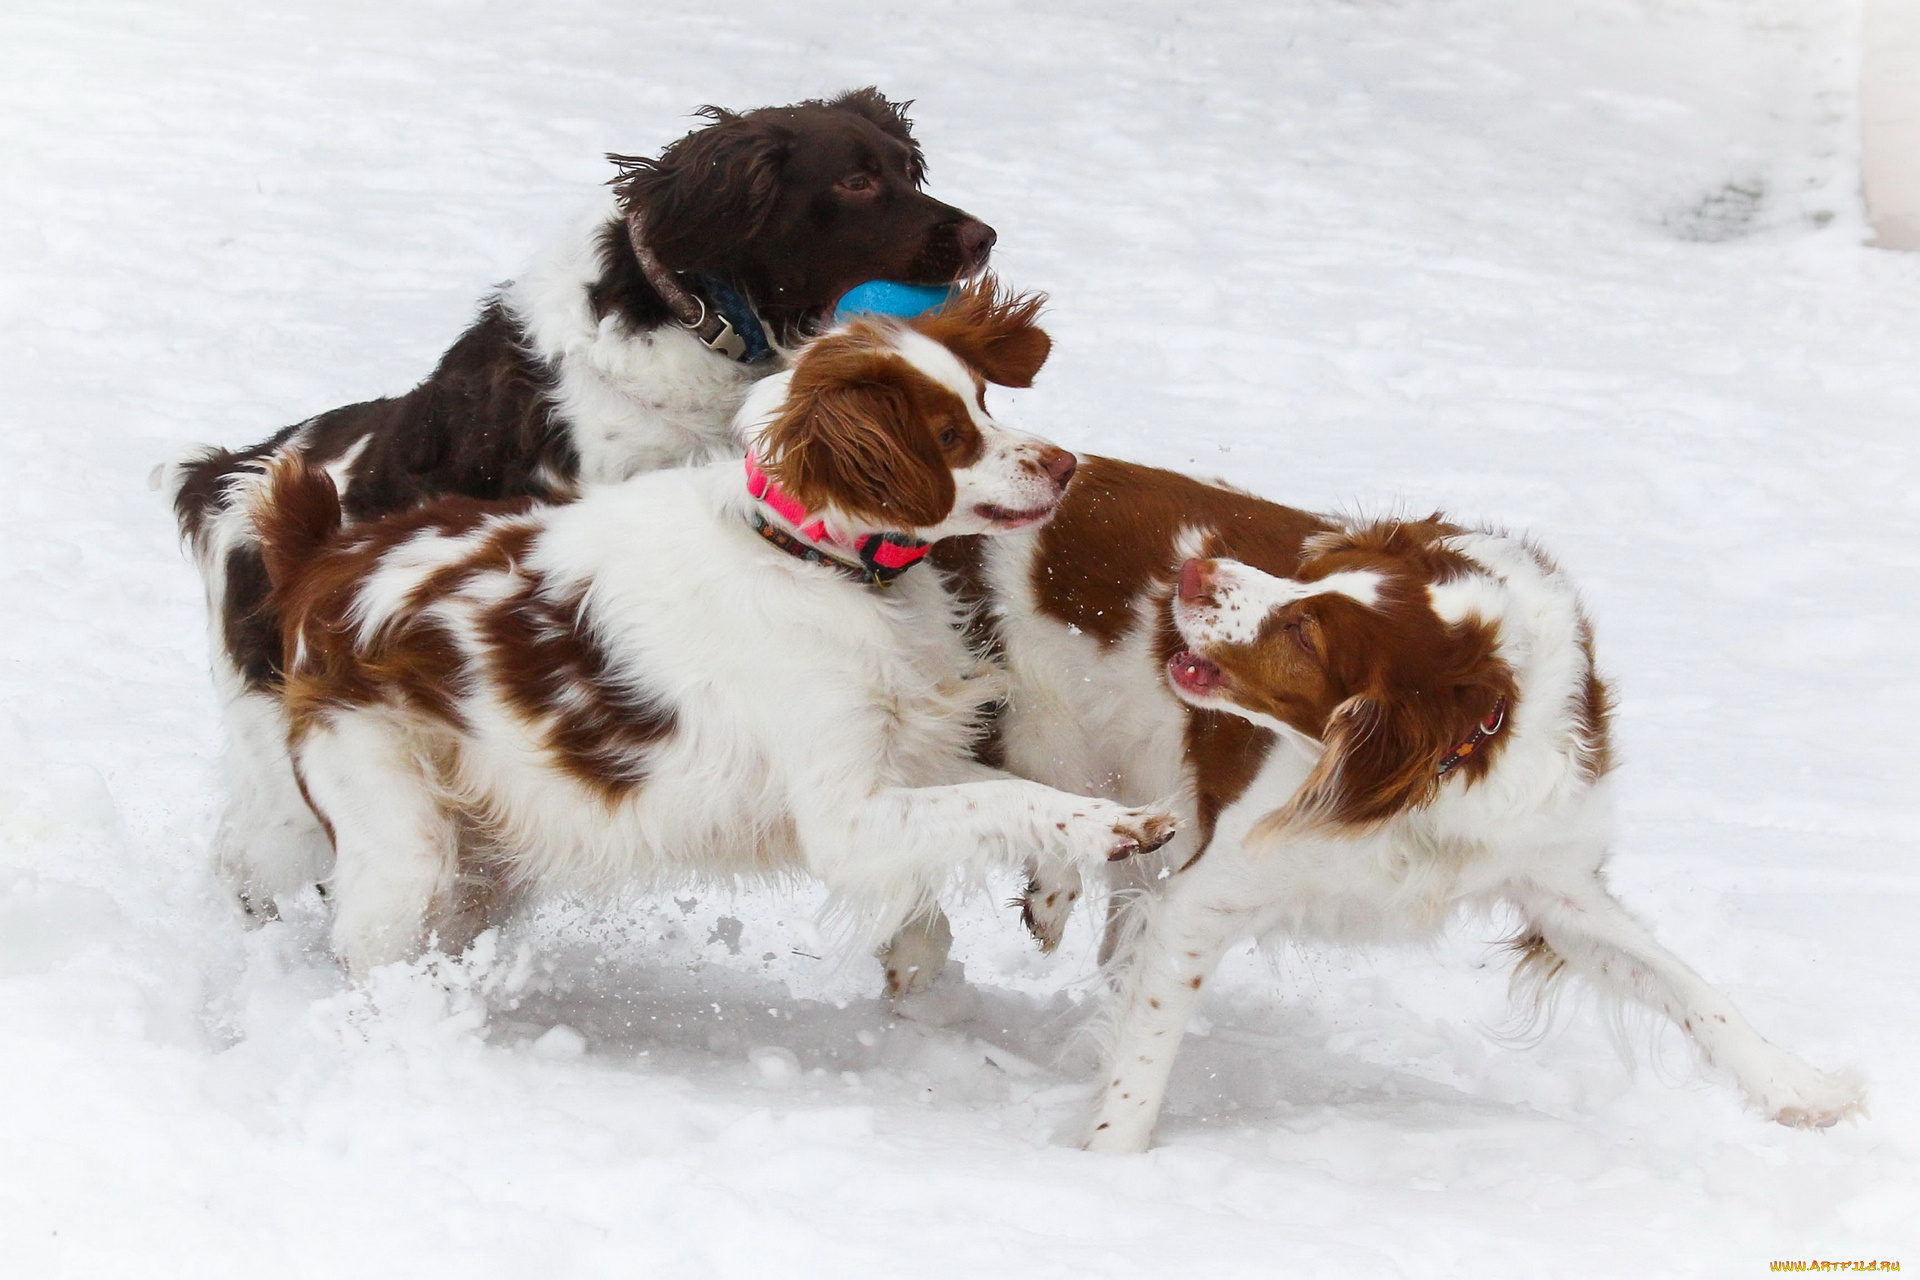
x: 1059, y: 465
x: 1196, y: 579
x: 976, y: 240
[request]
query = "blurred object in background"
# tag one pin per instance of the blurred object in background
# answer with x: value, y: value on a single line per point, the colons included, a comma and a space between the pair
x: 1890, y: 120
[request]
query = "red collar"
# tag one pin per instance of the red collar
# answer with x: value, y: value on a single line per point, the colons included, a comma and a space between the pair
x: 1481, y: 732
x: 876, y: 558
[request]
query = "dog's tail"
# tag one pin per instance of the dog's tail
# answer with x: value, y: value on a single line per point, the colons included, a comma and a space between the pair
x: 200, y: 486
x: 295, y: 509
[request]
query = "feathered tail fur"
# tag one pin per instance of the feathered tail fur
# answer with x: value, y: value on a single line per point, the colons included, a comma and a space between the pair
x: 295, y: 510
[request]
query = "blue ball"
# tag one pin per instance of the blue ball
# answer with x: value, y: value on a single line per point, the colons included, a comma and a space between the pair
x: 886, y: 298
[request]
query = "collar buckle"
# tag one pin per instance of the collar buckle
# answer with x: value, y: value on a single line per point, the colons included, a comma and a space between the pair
x: 724, y: 340
x: 709, y: 324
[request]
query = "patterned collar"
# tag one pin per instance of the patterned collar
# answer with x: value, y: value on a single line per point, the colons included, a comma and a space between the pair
x: 876, y: 558
x: 1481, y: 732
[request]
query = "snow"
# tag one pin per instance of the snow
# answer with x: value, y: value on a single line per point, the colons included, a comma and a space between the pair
x: 1592, y: 269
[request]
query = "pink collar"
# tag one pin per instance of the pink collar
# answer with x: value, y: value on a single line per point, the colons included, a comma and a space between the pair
x: 874, y: 558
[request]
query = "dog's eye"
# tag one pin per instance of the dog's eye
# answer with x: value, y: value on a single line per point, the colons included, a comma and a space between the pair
x: 1297, y: 630
x: 950, y: 437
x: 859, y: 184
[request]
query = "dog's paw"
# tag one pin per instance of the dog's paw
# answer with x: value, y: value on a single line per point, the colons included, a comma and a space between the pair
x: 947, y: 1000
x: 256, y: 908
x: 1142, y: 831
x: 914, y: 957
x: 1117, y: 1136
x: 1106, y: 831
x: 1047, y: 905
x: 1803, y: 1097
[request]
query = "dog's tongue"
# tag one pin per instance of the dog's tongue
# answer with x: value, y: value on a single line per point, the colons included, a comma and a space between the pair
x: 1193, y: 673
x: 889, y: 298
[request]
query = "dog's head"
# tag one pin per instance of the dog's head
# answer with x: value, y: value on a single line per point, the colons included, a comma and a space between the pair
x: 883, y: 426
x: 1368, y: 649
x: 798, y: 204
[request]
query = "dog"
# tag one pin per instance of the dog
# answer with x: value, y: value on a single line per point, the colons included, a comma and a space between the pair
x: 1367, y: 728
x: 709, y: 672
x: 628, y: 347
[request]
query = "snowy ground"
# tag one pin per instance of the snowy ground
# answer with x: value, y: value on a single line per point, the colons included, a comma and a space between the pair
x: 1592, y: 268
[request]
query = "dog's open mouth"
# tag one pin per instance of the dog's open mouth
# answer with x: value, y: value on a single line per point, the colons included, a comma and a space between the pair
x: 1193, y: 674
x: 1005, y: 519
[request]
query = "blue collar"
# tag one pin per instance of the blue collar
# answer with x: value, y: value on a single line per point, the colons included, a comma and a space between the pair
x: 729, y: 327
x: 738, y: 312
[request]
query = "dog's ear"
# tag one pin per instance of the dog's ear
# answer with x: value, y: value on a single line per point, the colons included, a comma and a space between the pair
x: 890, y: 118
x: 1380, y: 758
x: 850, y: 438
x: 993, y: 331
x: 1383, y: 751
x: 709, y: 192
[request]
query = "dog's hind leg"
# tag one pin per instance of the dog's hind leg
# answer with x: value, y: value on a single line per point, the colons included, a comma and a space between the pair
x: 396, y: 848
x: 268, y: 843
x: 1595, y: 936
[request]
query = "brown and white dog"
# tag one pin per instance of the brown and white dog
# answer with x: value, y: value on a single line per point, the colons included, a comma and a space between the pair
x: 594, y: 365
x: 1367, y: 728
x: 705, y: 672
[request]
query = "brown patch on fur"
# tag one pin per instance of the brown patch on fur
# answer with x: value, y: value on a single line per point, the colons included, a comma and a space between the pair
x: 318, y: 570
x: 1113, y: 540
x: 1227, y: 752
x: 963, y: 568
x: 555, y: 674
x: 1593, y: 718
x: 1384, y: 743
x: 205, y: 479
x: 961, y: 563
x: 961, y: 443
x: 992, y: 331
x: 297, y: 515
x: 415, y: 663
x: 538, y: 649
x: 500, y: 552
x: 249, y: 628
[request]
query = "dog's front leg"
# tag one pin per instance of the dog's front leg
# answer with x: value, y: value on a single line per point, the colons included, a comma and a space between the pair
x: 1586, y: 927
x: 1187, y: 928
x: 901, y: 845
